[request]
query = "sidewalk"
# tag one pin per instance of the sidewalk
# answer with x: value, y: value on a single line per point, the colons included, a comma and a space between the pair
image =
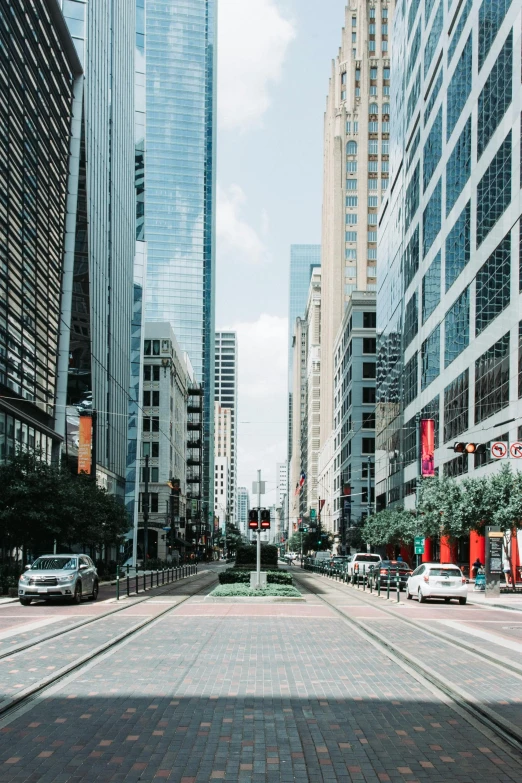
x: 503, y: 601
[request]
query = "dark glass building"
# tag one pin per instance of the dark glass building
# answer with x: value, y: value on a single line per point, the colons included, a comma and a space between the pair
x: 39, y: 74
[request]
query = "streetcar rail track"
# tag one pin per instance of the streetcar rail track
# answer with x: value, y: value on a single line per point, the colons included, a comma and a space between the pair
x: 476, y: 712
x: 25, y: 696
x: 503, y: 663
x: 82, y: 623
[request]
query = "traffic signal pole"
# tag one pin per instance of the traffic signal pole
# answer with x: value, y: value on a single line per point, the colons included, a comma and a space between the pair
x: 258, y: 553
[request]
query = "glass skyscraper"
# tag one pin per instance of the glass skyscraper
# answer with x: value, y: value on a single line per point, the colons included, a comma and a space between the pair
x: 303, y: 260
x: 180, y: 186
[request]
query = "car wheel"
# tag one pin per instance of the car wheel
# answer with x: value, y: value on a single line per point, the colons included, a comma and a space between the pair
x: 462, y: 601
x: 422, y: 599
x: 95, y: 591
x: 408, y: 595
x: 25, y: 601
x: 77, y: 597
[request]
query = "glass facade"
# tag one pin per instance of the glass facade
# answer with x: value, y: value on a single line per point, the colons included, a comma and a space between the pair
x: 456, y: 368
x: 38, y: 68
x: 180, y: 187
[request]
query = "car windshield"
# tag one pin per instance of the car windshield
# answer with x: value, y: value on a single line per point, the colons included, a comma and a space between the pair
x: 402, y: 566
x: 368, y: 559
x: 445, y: 572
x: 54, y: 564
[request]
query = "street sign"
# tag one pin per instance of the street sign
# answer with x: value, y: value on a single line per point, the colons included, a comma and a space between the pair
x: 499, y: 449
x: 515, y: 450
x: 419, y: 545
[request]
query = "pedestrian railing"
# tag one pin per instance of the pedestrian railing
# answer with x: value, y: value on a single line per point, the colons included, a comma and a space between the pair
x: 358, y: 579
x: 148, y: 580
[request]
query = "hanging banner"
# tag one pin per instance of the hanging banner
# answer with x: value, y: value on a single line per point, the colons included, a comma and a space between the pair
x: 427, y: 439
x: 84, y: 444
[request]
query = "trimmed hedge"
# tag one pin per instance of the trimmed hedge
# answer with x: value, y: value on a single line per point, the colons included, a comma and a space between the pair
x: 236, y: 576
x: 246, y: 555
x: 226, y: 591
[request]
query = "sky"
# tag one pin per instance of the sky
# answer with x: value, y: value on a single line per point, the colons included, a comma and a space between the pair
x: 274, y: 62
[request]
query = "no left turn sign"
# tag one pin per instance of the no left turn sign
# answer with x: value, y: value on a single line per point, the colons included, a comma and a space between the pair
x: 515, y: 450
x: 499, y: 449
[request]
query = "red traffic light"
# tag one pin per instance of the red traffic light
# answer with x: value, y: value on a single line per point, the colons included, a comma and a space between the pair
x: 265, y: 519
x: 469, y: 448
x: 253, y: 519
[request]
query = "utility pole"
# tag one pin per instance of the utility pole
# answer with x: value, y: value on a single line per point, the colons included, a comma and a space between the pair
x: 145, y: 506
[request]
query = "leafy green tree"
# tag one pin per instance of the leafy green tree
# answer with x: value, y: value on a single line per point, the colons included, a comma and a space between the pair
x: 391, y: 527
x: 234, y: 538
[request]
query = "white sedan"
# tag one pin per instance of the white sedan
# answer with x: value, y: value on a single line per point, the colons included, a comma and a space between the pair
x: 437, y: 580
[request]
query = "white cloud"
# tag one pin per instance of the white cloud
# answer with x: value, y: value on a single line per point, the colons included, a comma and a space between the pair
x: 236, y: 239
x: 262, y: 398
x: 253, y: 38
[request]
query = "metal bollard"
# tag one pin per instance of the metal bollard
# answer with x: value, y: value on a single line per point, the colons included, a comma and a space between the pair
x: 379, y: 586
x: 144, y: 580
x: 370, y: 585
x: 397, y: 587
x: 128, y: 585
x: 364, y: 579
x: 137, y: 591
x: 388, y: 587
x: 117, y: 583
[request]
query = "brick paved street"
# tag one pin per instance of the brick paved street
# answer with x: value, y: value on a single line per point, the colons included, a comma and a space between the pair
x: 245, y: 692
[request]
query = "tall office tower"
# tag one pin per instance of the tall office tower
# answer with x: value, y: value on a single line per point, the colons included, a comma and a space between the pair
x: 243, y: 502
x: 296, y: 490
x: 313, y: 390
x: 282, y: 482
x: 221, y: 490
x: 180, y: 190
x: 223, y: 451
x: 356, y: 162
x: 225, y: 396
x: 354, y: 422
x: 449, y: 299
x: 39, y: 137
x: 97, y: 346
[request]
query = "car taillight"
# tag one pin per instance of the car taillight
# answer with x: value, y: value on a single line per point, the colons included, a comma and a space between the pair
x: 463, y: 580
x: 426, y: 578
x: 383, y: 571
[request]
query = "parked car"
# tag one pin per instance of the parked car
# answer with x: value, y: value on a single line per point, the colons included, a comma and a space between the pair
x: 387, y: 571
x: 322, y: 558
x: 361, y: 562
x: 59, y: 576
x: 338, y: 563
x: 437, y: 580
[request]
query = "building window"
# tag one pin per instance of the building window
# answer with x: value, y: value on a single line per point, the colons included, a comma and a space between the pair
x: 458, y: 246
x: 493, y: 285
x: 368, y: 395
x: 371, y: 271
x: 351, y: 166
x: 151, y: 372
x: 491, y: 16
x: 412, y: 198
x: 153, y: 475
x: 430, y: 361
x: 373, y: 127
x: 456, y: 406
x: 373, y: 147
x: 373, y: 183
x: 374, y: 109
x: 343, y: 77
x: 496, y: 96
x: 350, y: 271
x: 494, y: 191
x: 351, y: 184
x: 151, y: 348
x: 411, y: 320
x: 459, y: 88
x: 373, y: 166
x: 410, y: 260
x: 492, y: 380
x: 352, y: 201
x: 351, y: 218
x: 369, y: 344
x: 411, y: 382
x: 368, y: 370
x: 431, y: 288
x: 372, y: 236
x: 458, y: 168
x: 433, y: 38
x: 456, y: 467
x: 368, y: 421
x: 414, y: 52
x: 351, y: 236
x: 456, y: 328
x: 369, y: 320
x: 368, y: 446
x: 350, y: 254
x: 432, y: 219
x: 432, y: 150
x: 372, y: 254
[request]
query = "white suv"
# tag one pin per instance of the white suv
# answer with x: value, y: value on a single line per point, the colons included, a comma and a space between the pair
x: 437, y: 580
x: 361, y: 562
x: 59, y: 576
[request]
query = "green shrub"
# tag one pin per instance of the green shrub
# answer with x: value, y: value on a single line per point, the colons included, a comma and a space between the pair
x: 246, y: 555
x: 238, y: 576
x: 230, y: 591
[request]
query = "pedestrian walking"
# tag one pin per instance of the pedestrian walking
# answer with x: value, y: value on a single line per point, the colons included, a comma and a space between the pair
x: 475, y: 567
x: 399, y: 559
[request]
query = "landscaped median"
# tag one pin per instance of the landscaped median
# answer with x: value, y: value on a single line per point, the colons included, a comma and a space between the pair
x: 235, y: 582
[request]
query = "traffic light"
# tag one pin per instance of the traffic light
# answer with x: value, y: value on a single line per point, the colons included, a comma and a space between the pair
x: 253, y: 519
x: 175, y: 493
x: 265, y: 519
x: 469, y: 448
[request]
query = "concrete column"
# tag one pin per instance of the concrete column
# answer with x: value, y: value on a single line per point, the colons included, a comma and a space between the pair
x: 477, y: 548
x: 426, y: 557
x: 448, y: 550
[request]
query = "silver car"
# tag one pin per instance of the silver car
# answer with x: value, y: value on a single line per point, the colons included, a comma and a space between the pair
x: 59, y: 576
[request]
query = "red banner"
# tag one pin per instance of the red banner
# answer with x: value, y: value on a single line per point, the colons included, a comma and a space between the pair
x: 427, y: 439
x: 85, y: 445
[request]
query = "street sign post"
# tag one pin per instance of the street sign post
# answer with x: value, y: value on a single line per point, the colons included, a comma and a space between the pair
x: 419, y: 545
